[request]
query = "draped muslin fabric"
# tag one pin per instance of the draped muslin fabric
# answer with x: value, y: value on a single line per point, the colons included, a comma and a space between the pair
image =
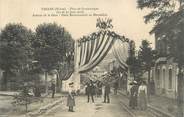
x: 120, y: 51
x: 92, y: 50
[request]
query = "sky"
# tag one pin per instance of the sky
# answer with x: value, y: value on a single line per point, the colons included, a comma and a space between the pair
x: 127, y: 19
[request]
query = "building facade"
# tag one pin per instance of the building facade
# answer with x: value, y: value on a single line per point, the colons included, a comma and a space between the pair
x: 164, y: 73
x: 1, y: 77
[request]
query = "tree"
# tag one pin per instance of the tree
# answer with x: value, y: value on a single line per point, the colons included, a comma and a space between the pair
x: 168, y: 17
x: 51, y: 44
x: 133, y: 62
x: 33, y: 76
x: 23, y: 98
x: 147, y: 57
x: 15, y: 50
x: 69, y: 48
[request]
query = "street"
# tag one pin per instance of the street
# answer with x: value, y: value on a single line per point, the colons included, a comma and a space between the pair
x: 84, y: 109
x: 5, y: 104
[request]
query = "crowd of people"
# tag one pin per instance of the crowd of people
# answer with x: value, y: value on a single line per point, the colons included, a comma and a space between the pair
x: 93, y: 90
x: 138, y: 95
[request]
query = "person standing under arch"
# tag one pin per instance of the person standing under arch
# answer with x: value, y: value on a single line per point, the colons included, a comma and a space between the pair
x: 90, y: 91
x: 107, y: 92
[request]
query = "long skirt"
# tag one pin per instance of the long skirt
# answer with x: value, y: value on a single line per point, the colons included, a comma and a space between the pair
x: 70, y: 101
x: 142, y: 101
x: 133, y: 101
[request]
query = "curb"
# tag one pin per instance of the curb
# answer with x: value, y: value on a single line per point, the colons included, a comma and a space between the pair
x: 44, y: 109
x: 153, y: 110
x: 5, y: 94
x: 157, y: 111
x: 123, y: 94
x: 127, y: 109
x: 125, y: 106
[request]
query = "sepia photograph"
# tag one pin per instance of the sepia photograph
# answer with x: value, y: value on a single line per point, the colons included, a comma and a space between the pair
x: 91, y: 58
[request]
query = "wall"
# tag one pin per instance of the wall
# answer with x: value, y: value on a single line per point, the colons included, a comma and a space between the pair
x: 165, y: 77
x: 1, y: 76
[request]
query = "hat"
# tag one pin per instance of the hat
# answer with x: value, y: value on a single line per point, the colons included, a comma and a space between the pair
x: 134, y: 82
x: 71, y: 83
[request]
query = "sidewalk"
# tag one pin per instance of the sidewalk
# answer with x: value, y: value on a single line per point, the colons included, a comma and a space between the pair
x: 157, y: 105
x: 164, y: 104
x: 8, y: 93
x: 39, y: 106
x: 135, y: 113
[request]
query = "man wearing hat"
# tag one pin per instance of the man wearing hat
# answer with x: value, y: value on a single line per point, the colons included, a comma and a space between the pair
x: 107, y: 92
x: 53, y: 88
x: 90, y: 91
x: 133, y: 95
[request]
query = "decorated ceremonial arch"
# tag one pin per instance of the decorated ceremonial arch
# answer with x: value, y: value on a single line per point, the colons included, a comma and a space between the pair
x: 90, y: 50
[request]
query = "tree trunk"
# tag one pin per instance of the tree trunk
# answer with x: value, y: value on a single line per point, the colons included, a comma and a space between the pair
x: 126, y: 83
x: 134, y: 76
x: 46, y: 83
x: 58, y: 84
x: 26, y: 104
x: 148, y: 86
x: 180, y: 93
x: 61, y: 85
x: 37, y: 91
x: 4, y: 81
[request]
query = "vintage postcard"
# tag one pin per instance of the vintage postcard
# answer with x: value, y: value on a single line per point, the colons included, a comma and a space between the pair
x: 91, y: 58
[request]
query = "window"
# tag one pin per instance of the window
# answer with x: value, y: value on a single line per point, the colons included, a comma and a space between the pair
x: 158, y: 77
x: 164, y: 78
x: 170, y: 78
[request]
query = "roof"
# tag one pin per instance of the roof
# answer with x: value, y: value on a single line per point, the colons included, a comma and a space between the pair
x: 161, y: 60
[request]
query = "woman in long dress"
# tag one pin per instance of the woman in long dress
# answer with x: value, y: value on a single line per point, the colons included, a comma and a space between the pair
x: 142, y: 96
x: 133, y: 95
x: 71, y: 98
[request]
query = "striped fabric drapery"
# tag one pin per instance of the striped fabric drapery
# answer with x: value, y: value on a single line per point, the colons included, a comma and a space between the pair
x: 92, y: 50
x: 120, y: 51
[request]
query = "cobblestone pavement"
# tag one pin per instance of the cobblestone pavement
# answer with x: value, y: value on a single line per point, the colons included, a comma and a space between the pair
x: 84, y: 109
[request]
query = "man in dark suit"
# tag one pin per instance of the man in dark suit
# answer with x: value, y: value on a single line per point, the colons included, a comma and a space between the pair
x: 107, y: 92
x: 53, y: 88
x: 90, y: 91
x: 116, y: 87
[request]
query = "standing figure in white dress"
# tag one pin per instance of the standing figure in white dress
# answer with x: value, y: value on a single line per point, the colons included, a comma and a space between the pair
x: 71, y: 98
x: 142, y: 96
